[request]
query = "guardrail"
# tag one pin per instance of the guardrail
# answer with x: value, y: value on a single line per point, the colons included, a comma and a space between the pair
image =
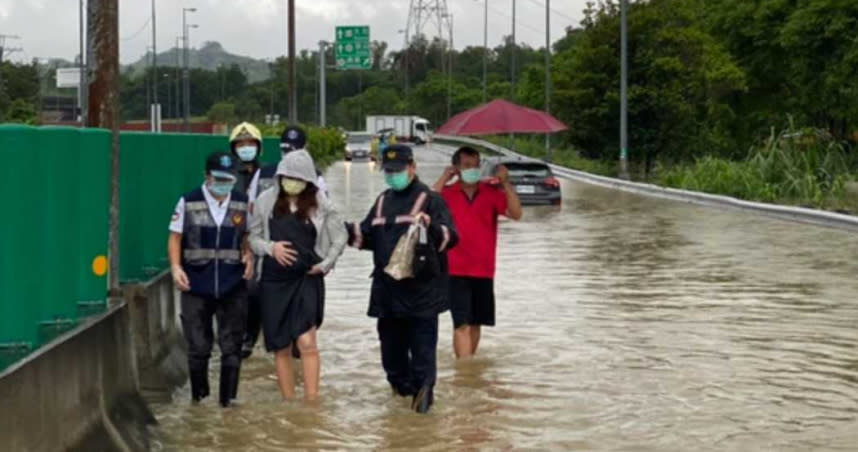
x: 799, y: 214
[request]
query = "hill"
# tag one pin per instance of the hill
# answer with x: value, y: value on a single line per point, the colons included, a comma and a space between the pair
x: 210, y: 56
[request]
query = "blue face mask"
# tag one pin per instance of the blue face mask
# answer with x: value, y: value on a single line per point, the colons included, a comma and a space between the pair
x: 397, y: 181
x: 471, y: 176
x: 221, y: 189
x: 246, y: 153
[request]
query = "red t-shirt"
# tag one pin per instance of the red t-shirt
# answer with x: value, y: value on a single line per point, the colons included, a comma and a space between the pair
x: 476, y: 221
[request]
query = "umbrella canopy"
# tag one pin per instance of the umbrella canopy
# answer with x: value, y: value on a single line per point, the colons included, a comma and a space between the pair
x: 501, y: 117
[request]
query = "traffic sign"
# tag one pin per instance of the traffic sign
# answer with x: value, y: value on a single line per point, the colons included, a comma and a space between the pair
x: 352, y: 48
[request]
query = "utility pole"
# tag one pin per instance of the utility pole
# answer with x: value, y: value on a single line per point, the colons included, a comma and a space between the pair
x: 513, y: 51
x: 485, y: 51
x: 186, y: 88
x: 103, y: 111
x: 323, y: 46
x: 624, y: 95
x: 548, y: 74
x: 293, y: 95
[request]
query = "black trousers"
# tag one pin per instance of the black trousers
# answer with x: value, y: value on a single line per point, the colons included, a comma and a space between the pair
x: 409, y: 352
x: 254, y: 315
x: 197, y: 316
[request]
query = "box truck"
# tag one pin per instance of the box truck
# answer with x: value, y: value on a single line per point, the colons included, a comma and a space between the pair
x: 407, y: 128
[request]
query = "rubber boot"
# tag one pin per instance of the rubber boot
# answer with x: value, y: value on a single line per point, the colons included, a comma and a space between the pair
x: 199, y: 383
x: 228, y: 384
x: 247, y: 349
x: 424, y: 399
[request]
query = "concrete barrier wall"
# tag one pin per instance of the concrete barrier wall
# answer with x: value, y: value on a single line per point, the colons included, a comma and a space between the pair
x: 85, y: 390
x: 804, y: 215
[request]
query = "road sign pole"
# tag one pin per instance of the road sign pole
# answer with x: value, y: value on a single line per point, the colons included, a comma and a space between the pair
x: 322, y: 82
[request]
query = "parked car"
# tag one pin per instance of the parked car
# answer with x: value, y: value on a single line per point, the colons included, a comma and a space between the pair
x: 533, y: 180
x: 358, y: 145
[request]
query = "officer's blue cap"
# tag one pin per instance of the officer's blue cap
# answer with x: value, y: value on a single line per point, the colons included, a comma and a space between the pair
x: 396, y: 158
x: 221, y: 163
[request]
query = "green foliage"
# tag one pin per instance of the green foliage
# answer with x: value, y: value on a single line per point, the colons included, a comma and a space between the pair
x: 325, y: 144
x: 21, y: 111
x: 222, y: 113
x: 795, y: 166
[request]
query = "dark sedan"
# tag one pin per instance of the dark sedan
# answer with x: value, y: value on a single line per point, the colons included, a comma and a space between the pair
x: 533, y: 181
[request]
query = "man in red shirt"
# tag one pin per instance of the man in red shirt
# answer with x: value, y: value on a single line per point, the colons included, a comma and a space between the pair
x: 475, y: 206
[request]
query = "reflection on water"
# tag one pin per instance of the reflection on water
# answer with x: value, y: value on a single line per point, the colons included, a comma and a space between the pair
x: 624, y: 323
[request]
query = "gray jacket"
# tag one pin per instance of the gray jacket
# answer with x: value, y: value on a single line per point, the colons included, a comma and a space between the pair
x: 331, y: 235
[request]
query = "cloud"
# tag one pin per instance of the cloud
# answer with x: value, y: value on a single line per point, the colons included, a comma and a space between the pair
x: 257, y: 28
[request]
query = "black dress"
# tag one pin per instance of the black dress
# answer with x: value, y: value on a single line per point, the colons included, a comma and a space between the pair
x: 292, y: 301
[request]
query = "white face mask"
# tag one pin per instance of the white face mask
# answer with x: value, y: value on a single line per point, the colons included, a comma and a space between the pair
x: 246, y: 153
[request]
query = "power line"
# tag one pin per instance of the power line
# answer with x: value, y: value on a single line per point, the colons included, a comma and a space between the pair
x: 141, y: 30
x: 554, y: 11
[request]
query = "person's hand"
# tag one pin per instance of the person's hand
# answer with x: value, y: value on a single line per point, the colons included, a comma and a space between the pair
x: 248, y: 267
x: 180, y: 278
x: 423, y: 218
x: 449, y: 173
x: 284, y: 254
x: 316, y: 270
x: 503, y: 174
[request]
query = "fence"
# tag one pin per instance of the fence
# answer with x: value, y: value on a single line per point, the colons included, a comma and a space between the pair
x: 53, y: 245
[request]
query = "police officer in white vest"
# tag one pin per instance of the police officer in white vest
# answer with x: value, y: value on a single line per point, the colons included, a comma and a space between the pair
x: 210, y: 262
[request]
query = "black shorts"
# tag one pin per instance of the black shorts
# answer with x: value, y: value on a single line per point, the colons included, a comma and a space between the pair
x: 472, y: 301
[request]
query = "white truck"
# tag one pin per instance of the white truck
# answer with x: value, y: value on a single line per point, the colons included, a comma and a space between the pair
x: 409, y: 128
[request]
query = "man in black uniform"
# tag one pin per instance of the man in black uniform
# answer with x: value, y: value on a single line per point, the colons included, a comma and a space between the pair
x: 407, y: 310
x: 208, y: 259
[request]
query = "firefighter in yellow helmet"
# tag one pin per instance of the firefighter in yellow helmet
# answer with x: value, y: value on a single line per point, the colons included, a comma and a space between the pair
x: 245, y: 142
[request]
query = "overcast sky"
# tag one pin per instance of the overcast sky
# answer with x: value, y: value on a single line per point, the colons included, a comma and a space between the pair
x: 49, y: 28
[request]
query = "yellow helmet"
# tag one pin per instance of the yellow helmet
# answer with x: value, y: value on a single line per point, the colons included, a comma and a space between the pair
x: 245, y: 131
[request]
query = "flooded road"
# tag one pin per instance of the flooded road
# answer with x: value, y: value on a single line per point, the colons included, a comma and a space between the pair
x: 624, y: 323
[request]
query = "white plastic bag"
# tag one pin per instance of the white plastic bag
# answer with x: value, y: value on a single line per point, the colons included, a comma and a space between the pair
x: 401, y: 265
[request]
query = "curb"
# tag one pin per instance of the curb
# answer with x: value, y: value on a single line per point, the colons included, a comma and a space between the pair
x: 789, y: 213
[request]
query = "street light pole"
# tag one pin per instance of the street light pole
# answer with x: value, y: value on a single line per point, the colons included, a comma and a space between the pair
x: 154, y: 59
x: 624, y: 73
x: 177, y: 111
x: 450, y: 74
x: 485, y: 50
x: 293, y: 101
x: 512, y: 56
x: 548, y: 73
x: 323, y: 46
x: 84, y: 73
x: 186, y: 76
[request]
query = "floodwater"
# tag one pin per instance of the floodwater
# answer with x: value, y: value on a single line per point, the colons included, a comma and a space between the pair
x: 624, y: 323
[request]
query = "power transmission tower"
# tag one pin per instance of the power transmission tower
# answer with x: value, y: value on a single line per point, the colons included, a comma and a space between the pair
x: 428, y: 18
x: 5, y: 51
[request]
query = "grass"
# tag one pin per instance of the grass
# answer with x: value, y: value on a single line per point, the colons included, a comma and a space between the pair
x: 791, y: 167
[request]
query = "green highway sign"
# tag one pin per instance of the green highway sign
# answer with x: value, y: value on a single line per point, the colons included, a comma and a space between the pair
x: 352, y: 48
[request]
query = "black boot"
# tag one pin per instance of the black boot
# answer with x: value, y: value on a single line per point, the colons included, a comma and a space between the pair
x: 423, y: 400
x: 228, y: 384
x: 199, y: 383
x: 247, y: 349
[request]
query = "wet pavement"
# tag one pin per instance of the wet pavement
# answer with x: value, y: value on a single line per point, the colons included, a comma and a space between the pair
x: 624, y: 323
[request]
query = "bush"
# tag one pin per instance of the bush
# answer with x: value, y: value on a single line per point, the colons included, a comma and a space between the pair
x: 325, y: 144
x: 792, y: 167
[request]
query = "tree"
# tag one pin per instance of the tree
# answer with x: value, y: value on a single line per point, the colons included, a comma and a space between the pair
x: 222, y: 113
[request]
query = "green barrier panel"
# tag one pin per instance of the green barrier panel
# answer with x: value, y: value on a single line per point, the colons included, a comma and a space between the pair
x: 57, y: 185
x: 156, y: 170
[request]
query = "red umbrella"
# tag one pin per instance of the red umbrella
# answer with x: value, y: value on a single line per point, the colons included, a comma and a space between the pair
x: 501, y: 117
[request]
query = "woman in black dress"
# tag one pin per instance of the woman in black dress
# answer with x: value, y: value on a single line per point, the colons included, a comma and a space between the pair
x: 299, y: 235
